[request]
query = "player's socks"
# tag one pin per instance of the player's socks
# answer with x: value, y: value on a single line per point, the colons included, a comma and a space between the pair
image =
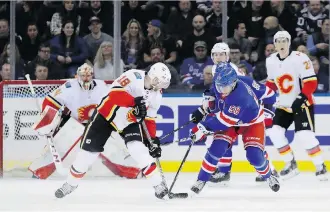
x: 222, y: 173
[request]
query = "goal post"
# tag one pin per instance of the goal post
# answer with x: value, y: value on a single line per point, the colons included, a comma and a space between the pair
x: 19, y: 143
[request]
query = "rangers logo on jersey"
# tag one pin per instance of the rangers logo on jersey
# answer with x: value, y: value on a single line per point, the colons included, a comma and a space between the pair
x: 85, y: 112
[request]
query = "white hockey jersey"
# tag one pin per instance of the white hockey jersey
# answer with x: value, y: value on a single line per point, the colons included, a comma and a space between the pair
x: 120, y: 114
x: 289, y: 75
x: 80, y: 102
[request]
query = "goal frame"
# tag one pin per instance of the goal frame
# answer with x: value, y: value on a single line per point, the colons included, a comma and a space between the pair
x: 25, y: 83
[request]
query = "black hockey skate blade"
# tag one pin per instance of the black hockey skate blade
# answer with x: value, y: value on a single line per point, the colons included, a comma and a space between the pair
x: 178, y: 195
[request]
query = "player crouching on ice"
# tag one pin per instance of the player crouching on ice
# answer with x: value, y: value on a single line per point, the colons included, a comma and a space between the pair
x: 133, y: 97
x: 80, y: 97
x: 240, y: 113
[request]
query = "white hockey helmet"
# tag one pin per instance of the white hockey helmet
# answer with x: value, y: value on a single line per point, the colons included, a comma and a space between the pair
x: 85, y: 76
x: 160, y: 76
x: 216, y: 51
x: 282, y: 41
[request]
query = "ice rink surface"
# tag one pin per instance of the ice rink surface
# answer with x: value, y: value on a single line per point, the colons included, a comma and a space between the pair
x: 302, y: 193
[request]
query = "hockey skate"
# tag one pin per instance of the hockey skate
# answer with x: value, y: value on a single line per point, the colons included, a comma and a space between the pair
x: 64, y: 190
x: 198, y: 186
x: 322, y: 174
x: 161, y: 191
x: 290, y: 170
x: 218, y: 177
x: 259, y: 178
x: 273, y: 183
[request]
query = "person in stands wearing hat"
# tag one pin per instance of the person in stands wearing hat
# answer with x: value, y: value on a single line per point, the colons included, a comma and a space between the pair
x: 96, y: 37
x: 156, y: 36
x: 192, y: 68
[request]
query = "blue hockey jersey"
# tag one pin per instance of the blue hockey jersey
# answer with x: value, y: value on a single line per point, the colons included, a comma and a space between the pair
x: 242, y: 107
x: 262, y: 92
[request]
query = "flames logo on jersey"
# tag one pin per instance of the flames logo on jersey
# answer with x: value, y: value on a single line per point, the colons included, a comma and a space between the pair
x: 130, y: 116
x: 85, y: 112
x: 284, y: 83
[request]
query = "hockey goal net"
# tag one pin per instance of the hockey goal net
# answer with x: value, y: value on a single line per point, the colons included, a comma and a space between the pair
x: 20, y: 144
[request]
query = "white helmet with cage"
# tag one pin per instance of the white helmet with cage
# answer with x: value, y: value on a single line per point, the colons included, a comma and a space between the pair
x: 220, y: 53
x: 160, y: 76
x: 85, y: 76
x: 282, y: 41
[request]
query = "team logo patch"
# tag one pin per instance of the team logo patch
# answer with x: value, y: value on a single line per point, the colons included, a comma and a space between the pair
x: 130, y: 116
x: 68, y: 85
x: 137, y: 75
x: 84, y: 113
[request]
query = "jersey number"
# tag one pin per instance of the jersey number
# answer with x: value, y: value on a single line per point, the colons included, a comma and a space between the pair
x: 307, y: 65
x: 234, y: 110
x: 123, y: 81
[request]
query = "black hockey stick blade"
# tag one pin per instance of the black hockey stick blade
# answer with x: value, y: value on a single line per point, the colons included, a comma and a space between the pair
x: 178, y: 195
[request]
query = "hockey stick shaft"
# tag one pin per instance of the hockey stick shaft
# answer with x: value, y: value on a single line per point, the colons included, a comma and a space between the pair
x: 55, y: 155
x: 145, y: 129
x: 177, y: 129
x: 170, y: 195
x: 181, y: 165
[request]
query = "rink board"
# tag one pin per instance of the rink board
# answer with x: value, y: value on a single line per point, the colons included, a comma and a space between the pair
x: 22, y: 145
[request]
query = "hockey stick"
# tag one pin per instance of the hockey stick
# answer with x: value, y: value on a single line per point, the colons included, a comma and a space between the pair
x: 177, y: 141
x: 171, y: 195
x: 180, y: 167
x: 177, y: 129
x: 55, y: 155
x: 183, y: 160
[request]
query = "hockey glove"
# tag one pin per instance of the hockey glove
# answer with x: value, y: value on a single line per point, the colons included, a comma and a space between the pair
x: 300, y: 102
x: 208, y: 102
x: 199, y: 132
x: 154, y: 149
x: 198, y: 115
x: 140, y: 108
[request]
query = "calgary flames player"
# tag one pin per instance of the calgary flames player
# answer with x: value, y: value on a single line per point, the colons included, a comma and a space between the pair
x: 292, y: 74
x: 134, y: 96
x: 80, y: 97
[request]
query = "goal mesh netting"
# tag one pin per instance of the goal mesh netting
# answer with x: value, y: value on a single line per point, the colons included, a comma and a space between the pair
x: 20, y: 144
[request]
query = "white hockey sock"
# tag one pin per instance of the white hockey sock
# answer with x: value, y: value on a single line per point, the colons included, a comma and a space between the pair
x: 277, y: 136
x: 311, y: 144
x: 140, y: 154
x: 81, y: 165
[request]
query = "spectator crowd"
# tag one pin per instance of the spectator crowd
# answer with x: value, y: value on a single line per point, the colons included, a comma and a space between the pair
x: 53, y: 38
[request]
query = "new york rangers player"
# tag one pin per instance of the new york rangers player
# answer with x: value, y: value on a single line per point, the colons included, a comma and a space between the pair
x: 134, y: 96
x: 239, y: 113
x: 264, y: 94
x: 292, y: 74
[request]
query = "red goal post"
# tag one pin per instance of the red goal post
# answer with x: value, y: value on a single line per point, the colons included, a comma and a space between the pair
x: 19, y: 144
